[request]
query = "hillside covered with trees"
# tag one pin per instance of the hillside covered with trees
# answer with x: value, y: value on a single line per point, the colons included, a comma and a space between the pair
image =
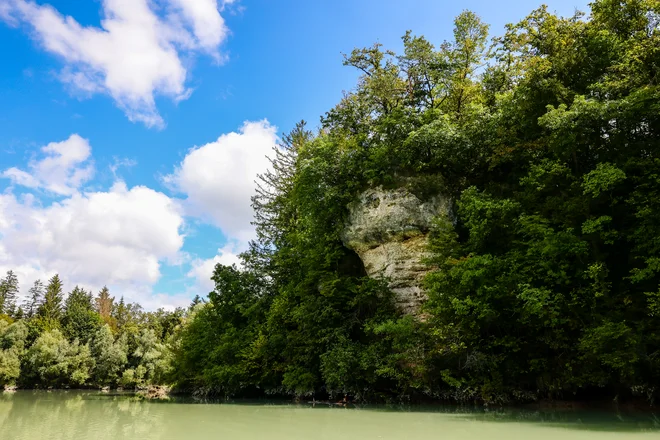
x: 545, y: 279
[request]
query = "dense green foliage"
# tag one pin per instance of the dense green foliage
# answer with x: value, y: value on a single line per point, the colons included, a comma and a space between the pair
x: 546, y: 279
x: 82, y: 341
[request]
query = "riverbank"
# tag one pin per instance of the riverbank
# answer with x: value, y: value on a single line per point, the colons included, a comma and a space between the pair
x: 164, y: 392
x: 151, y: 392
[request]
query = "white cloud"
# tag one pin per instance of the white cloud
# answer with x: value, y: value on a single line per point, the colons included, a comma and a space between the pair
x: 118, y: 163
x: 121, y: 237
x: 219, y: 178
x: 152, y: 301
x: 202, y: 270
x: 207, y: 23
x: 20, y: 177
x: 118, y: 237
x: 63, y: 170
x: 135, y: 55
x: 5, y: 11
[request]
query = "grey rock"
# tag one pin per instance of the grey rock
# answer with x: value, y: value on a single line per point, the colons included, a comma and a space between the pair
x: 388, y: 229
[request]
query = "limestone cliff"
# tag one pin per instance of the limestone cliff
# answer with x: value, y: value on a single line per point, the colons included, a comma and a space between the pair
x: 388, y: 229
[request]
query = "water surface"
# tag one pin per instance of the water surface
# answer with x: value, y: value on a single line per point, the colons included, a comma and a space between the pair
x: 74, y: 415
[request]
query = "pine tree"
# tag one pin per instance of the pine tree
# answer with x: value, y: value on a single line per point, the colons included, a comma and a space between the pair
x: 104, y: 303
x: 121, y: 313
x: 196, y: 300
x: 271, y: 207
x: 34, y: 299
x: 51, y: 309
x: 80, y: 321
x: 8, y: 292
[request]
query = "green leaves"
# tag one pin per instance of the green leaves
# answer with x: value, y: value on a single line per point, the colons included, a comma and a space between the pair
x: 8, y: 292
x: 614, y: 345
x: 54, y: 361
x: 488, y: 219
x: 110, y: 356
x: 604, y: 178
x: 12, y: 349
x: 80, y: 321
x: 51, y: 307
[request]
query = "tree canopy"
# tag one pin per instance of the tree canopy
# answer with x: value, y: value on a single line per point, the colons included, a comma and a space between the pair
x: 83, y: 342
x: 546, y: 278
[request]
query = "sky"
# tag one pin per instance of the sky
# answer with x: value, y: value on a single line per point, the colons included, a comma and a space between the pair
x: 132, y: 131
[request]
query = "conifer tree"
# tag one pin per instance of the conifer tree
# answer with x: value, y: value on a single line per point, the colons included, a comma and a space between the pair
x: 80, y: 321
x: 104, y: 303
x: 51, y: 309
x: 8, y: 292
x: 121, y: 313
x: 34, y: 299
x: 195, y: 301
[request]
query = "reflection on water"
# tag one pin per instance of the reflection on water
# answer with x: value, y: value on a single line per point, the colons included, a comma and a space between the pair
x: 77, y: 415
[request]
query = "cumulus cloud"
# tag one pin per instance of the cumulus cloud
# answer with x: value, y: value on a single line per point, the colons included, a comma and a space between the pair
x: 208, y: 25
x: 64, y: 167
x: 121, y: 237
x: 219, y: 178
x: 118, y: 237
x: 134, y: 55
x: 202, y: 270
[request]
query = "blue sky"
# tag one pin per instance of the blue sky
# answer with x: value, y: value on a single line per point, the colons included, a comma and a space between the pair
x: 155, y: 116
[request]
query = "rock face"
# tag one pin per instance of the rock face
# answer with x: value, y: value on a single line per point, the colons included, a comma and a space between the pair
x: 388, y: 229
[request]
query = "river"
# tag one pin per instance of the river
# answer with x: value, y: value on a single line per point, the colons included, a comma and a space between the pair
x: 75, y: 415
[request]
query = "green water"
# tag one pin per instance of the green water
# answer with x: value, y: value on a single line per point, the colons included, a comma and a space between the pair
x: 72, y: 415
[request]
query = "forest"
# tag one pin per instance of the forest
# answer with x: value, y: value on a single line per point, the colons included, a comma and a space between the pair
x: 545, y: 280
x: 81, y: 341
